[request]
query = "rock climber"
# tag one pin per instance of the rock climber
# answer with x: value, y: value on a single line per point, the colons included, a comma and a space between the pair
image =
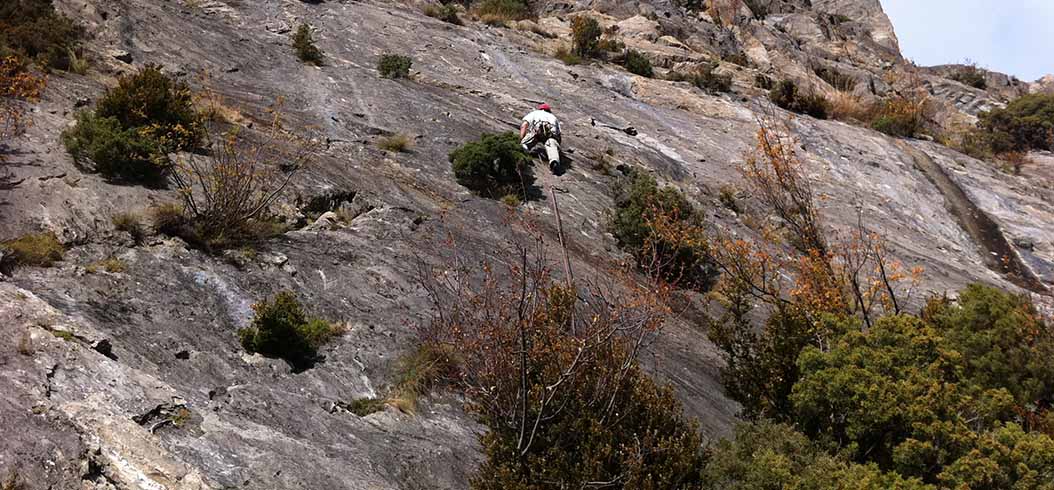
x: 541, y: 127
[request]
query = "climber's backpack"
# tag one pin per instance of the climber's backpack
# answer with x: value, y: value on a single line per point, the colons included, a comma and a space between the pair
x: 543, y: 130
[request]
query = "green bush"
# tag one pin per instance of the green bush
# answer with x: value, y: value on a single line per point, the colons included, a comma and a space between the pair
x: 761, y: 365
x: 394, y: 66
x: 638, y: 64
x: 446, y: 13
x: 766, y: 455
x: 585, y: 35
x: 1003, y: 341
x: 494, y: 166
x: 34, y: 249
x: 135, y: 126
x: 1006, y: 457
x: 639, y: 206
x: 1027, y: 123
x: 894, y: 125
x: 281, y: 329
x: 32, y: 28
x: 958, y: 396
x: 117, y: 153
x: 304, y: 45
x: 786, y: 95
x: 897, y: 394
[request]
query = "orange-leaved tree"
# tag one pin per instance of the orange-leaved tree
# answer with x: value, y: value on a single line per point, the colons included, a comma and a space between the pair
x: 815, y: 283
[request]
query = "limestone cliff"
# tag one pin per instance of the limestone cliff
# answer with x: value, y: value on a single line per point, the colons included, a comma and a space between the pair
x: 107, y: 357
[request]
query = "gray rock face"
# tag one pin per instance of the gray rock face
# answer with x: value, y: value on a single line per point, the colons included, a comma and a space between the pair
x: 135, y: 379
x: 868, y: 12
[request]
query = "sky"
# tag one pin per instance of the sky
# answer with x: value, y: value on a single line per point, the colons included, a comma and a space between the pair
x: 1011, y: 36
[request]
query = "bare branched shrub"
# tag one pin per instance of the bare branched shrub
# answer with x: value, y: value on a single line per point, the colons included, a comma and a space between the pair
x: 228, y: 193
x: 538, y: 358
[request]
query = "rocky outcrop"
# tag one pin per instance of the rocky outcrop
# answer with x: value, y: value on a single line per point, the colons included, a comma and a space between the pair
x: 1044, y: 85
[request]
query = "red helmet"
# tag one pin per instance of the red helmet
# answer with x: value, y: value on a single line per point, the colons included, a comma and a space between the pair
x: 544, y: 107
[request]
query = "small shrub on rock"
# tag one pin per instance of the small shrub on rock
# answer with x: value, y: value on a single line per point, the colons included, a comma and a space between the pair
x: 446, y: 13
x: 160, y: 106
x: 305, y: 47
x: 638, y: 64
x: 585, y: 35
x: 135, y: 126
x: 894, y: 125
x: 397, y: 143
x: 394, y: 66
x: 34, y: 249
x: 727, y: 196
x: 786, y: 95
x: 281, y: 329
x: 117, y: 153
x: 168, y: 219
x: 32, y: 28
x: 568, y: 57
x: 899, y: 117
x: 129, y: 223
x: 611, y: 45
x: 365, y: 406
x: 971, y: 76
x: 706, y: 78
x: 494, y: 166
x: 651, y: 222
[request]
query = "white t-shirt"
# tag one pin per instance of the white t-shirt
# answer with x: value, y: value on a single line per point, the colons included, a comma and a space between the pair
x: 540, y: 116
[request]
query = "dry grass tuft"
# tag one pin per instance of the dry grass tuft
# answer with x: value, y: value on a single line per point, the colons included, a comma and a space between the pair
x: 847, y: 107
x: 398, y: 143
x: 35, y: 249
